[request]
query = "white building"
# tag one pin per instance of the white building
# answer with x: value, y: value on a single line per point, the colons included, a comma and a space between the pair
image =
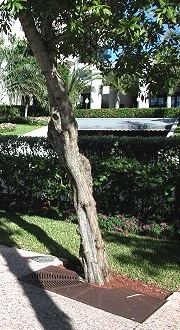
x: 98, y: 97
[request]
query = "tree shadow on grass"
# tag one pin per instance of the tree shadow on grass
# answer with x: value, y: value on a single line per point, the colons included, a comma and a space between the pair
x: 151, y: 255
x: 53, y: 247
x: 6, y: 234
x: 48, y: 314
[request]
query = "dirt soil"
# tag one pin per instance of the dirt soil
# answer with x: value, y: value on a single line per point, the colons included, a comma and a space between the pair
x: 119, y: 281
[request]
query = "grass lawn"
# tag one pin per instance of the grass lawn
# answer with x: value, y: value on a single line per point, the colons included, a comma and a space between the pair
x: 151, y: 260
x: 21, y: 129
x: 177, y: 130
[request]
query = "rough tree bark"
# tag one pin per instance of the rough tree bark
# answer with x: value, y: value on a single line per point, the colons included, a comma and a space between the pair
x: 63, y: 135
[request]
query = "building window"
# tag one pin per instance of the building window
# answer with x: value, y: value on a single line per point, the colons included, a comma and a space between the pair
x: 158, y: 102
x: 153, y: 102
x: 178, y: 101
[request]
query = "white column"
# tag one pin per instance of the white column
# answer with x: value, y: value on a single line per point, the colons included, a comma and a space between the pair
x: 96, y: 97
x: 111, y: 98
x: 143, y: 99
x: 143, y: 103
x: 168, y: 101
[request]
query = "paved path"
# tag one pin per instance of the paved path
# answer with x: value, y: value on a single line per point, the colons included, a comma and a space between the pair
x: 26, y: 307
x: 114, y: 124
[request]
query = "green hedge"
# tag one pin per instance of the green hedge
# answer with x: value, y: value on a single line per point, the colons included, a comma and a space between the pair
x: 128, y: 113
x: 39, y: 121
x: 144, y: 149
x: 36, y: 111
x: 137, y: 176
x: 19, y: 110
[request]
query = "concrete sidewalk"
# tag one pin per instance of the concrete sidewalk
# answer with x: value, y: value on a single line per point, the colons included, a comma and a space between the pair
x: 24, y: 306
x: 117, y: 124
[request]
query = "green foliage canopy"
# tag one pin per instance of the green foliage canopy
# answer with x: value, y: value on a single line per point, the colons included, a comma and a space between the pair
x: 84, y: 27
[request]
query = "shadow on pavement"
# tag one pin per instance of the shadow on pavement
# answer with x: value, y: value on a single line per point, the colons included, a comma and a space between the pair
x: 47, y: 313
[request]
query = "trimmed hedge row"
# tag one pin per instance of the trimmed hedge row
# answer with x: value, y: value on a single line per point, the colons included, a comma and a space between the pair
x: 36, y: 111
x: 19, y: 110
x: 128, y: 113
x: 39, y: 121
x: 137, y: 176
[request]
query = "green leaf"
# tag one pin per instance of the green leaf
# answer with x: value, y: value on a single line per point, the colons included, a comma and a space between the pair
x: 107, y: 11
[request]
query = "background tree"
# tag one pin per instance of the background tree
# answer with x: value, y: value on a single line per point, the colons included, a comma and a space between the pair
x: 1, y: 49
x: 23, y: 80
x: 121, y: 84
x: 155, y: 64
x: 164, y: 74
x: 76, y: 79
x: 1, y: 66
x: 21, y: 76
x: 80, y: 27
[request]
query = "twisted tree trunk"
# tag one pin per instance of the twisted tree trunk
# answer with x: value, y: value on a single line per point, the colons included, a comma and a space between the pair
x: 63, y: 136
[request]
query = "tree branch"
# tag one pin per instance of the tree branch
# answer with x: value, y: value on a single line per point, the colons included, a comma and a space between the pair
x: 86, y: 23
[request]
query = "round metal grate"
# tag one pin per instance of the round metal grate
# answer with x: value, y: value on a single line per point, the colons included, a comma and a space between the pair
x: 52, y: 277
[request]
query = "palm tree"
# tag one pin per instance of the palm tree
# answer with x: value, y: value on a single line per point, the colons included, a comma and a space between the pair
x: 121, y: 84
x: 77, y: 79
x: 21, y: 76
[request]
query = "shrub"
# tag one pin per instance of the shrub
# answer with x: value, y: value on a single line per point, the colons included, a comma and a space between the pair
x: 128, y: 113
x: 132, y: 176
x: 9, y: 111
x: 39, y: 121
x: 7, y: 127
x: 19, y: 110
x: 37, y: 111
x: 128, y: 224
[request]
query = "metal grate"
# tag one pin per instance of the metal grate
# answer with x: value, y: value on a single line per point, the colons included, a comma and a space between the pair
x: 52, y: 277
x: 122, y: 301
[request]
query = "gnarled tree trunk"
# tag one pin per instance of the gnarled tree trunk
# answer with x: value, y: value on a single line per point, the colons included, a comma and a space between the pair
x: 63, y: 135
